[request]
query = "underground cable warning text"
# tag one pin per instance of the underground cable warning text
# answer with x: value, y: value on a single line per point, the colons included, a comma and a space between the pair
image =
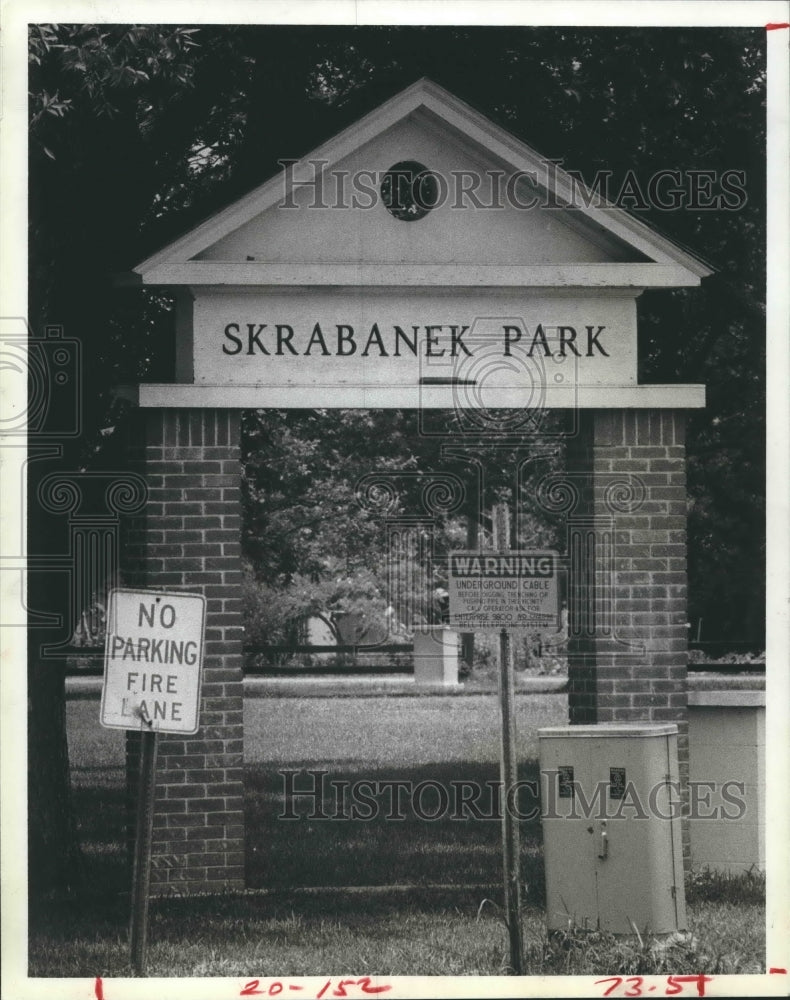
x: 495, y: 590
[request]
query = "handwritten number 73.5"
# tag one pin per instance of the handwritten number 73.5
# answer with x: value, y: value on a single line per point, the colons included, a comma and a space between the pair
x: 635, y: 985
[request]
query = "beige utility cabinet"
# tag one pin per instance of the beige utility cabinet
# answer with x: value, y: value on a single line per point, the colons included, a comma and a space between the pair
x: 611, y: 828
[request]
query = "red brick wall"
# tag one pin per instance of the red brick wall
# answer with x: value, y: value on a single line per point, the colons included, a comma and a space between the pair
x: 627, y: 606
x: 640, y: 581
x: 189, y: 539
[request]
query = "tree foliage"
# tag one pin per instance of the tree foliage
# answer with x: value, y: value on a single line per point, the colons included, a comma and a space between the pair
x: 310, y: 530
x: 139, y: 131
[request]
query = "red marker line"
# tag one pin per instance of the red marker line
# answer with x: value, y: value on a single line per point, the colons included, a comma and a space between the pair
x: 775, y: 27
x: 99, y: 988
x: 772, y: 971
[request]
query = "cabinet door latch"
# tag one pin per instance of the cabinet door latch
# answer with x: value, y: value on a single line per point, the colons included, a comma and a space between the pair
x: 603, y: 847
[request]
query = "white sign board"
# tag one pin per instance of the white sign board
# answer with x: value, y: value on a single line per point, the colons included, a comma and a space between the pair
x: 153, y: 661
x: 496, y: 590
x: 508, y: 338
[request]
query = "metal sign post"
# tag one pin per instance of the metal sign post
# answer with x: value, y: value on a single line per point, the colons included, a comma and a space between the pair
x: 497, y: 592
x: 141, y: 872
x: 153, y: 663
x: 509, y: 767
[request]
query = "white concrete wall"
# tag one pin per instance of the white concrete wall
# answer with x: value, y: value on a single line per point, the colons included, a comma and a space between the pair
x: 727, y: 744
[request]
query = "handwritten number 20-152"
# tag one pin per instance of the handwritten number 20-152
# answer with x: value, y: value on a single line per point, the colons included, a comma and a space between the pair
x: 363, y: 984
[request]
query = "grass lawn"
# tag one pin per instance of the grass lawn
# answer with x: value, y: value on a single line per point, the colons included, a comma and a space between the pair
x: 378, y: 896
x: 419, y: 932
x: 384, y: 739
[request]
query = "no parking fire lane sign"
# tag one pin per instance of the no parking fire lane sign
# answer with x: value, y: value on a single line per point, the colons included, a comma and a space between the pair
x: 153, y: 661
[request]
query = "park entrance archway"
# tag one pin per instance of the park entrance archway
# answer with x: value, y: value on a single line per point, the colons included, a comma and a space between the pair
x: 422, y: 259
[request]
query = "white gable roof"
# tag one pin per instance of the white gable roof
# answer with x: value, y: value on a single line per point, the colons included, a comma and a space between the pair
x: 255, y: 242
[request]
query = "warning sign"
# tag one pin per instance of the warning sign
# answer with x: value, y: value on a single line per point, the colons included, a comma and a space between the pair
x: 152, y: 661
x: 495, y: 590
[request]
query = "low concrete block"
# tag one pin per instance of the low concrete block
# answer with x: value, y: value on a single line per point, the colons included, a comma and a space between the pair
x: 436, y: 656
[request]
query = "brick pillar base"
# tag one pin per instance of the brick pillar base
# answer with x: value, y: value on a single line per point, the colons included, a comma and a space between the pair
x: 189, y: 541
x: 627, y: 541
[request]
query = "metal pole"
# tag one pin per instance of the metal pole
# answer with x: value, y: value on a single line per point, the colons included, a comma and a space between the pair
x: 141, y: 874
x: 509, y: 767
x: 468, y: 638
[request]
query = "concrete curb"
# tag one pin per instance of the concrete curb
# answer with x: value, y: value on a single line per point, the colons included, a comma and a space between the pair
x: 403, y: 686
x: 370, y: 685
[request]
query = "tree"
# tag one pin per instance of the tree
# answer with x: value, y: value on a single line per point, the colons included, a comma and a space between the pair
x: 97, y: 100
x: 138, y: 131
x: 313, y: 530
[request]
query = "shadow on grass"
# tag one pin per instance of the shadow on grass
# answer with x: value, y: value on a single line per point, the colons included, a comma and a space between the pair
x: 99, y: 903
x: 292, y: 854
x: 407, y: 891
x: 313, y: 839
x: 101, y: 823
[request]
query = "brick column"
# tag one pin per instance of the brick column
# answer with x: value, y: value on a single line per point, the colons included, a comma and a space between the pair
x: 628, y: 635
x: 189, y: 541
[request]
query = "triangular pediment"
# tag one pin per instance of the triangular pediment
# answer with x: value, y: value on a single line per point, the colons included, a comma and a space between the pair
x: 339, y: 215
x: 501, y: 216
